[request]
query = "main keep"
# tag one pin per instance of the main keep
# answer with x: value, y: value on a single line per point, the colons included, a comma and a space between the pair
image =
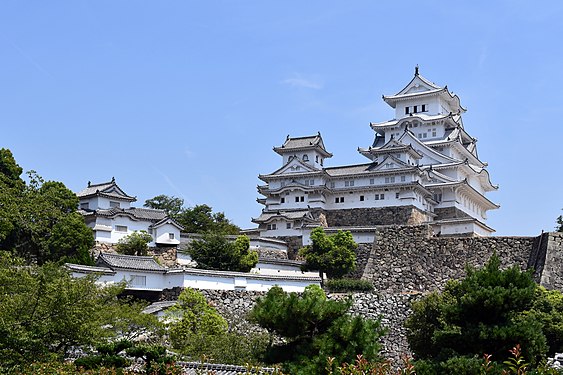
x: 423, y: 168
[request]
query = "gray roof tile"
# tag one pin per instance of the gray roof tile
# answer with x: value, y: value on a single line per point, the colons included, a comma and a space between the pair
x: 132, y: 262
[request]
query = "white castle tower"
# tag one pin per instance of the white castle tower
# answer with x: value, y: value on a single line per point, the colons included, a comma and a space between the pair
x: 423, y: 168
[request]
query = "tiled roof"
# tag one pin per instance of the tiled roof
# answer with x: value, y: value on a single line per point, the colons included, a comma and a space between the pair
x: 88, y: 269
x: 132, y: 262
x: 193, y: 368
x: 109, y: 189
x: 136, y: 213
x: 349, y: 169
x: 286, y: 214
x: 158, y: 306
x: 301, y: 142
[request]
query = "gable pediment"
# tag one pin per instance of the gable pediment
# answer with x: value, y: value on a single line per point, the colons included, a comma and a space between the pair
x: 390, y: 163
x: 295, y: 166
x: 429, y: 155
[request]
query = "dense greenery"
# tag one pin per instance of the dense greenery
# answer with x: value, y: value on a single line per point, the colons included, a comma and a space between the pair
x: 38, y: 219
x: 46, y: 313
x: 314, y: 328
x: 193, y: 321
x: 488, y: 312
x: 215, y: 252
x: 333, y: 255
x: 135, y: 243
x: 197, y: 219
x: 559, y: 227
x: 349, y: 285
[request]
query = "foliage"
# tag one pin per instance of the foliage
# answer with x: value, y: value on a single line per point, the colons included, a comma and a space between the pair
x: 333, y: 255
x: 215, y: 252
x: 197, y: 219
x: 349, y: 285
x: 108, y: 356
x: 559, y: 227
x: 362, y: 366
x: 314, y: 328
x: 548, y: 309
x: 157, y: 362
x: 38, y: 216
x: 46, y: 312
x: 483, y: 313
x: 195, y: 321
x: 135, y: 243
x: 171, y: 204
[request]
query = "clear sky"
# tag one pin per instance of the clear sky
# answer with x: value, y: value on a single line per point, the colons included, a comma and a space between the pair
x: 187, y: 98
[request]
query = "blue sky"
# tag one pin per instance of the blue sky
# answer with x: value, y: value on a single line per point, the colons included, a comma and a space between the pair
x: 188, y: 98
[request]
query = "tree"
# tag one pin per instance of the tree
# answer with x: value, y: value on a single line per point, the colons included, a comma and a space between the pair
x: 314, y: 328
x: 215, y: 252
x: 333, y: 255
x: 483, y: 313
x: 195, y: 321
x: 201, y: 219
x: 135, y: 243
x: 197, y: 219
x: 172, y: 205
x: 559, y: 227
x: 46, y: 312
x: 31, y: 213
x: 71, y: 241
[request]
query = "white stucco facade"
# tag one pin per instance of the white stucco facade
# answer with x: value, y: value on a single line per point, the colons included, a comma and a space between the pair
x: 107, y: 210
x: 422, y: 159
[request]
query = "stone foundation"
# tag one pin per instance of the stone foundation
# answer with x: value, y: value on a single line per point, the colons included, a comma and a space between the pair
x: 367, y: 217
x: 449, y: 213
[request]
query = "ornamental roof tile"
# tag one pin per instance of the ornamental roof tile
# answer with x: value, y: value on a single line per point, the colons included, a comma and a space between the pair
x: 132, y: 262
x: 149, y: 214
x: 109, y: 189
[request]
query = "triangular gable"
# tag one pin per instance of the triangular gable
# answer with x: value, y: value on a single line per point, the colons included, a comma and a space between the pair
x: 295, y: 166
x: 434, y: 156
x: 389, y: 163
x: 115, y: 190
x: 418, y: 84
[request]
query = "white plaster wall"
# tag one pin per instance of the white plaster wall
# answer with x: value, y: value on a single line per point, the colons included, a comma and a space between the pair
x: 132, y: 226
x: 162, y: 234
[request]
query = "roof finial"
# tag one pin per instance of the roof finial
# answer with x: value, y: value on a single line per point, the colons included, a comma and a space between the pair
x: 113, y: 179
x: 416, y: 70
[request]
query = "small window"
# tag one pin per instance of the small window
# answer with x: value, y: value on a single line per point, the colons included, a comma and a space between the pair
x: 396, y: 195
x: 407, y: 110
x: 288, y: 225
x: 84, y: 206
x: 349, y: 183
x: 361, y: 198
x: 316, y: 158
x: 297, y: 199
x: 171, y: 236
x: 424, y: 108
x: 121, y: 228
x: 302, y: 199
x: 282, y: 200
x: 403, y: 178
x: 305, y: 157
x: 372, y: 181
x: 415, y: 109
x: 332, y: 184
x: 114, y: 204
x: 137, y: 280
x: 339, y: 200
x: 381, y: 196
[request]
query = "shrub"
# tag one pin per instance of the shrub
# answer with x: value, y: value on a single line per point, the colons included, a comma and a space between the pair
x: 349, y: 285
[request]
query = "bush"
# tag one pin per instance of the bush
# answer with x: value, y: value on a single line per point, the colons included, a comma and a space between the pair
x: 135, y: 243
x: 349, y: 285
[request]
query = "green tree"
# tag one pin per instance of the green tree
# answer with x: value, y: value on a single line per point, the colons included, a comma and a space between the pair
x: 559, y: 227
x: 71, y: 241
x: 333, y: 255
x: 135, y: 243
x: 215, y: 252
x: 172, y: 205
x: 202, y: 219
x: 548, y: 309
x: 314, y: 328
x: 46, y: 312
x: 195, y: 321
x: 482, y: 313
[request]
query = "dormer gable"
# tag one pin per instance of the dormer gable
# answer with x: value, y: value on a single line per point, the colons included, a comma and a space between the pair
x: 104, y: 195
x: 296, y: 165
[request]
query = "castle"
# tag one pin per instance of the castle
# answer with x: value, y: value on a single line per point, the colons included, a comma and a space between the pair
x: 423, y: 169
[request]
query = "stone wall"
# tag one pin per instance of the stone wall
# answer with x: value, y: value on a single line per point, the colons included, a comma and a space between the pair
x: 164, y: 255
x: 552, y: 272
x: 362, y: 256
x: 449, y: 213
x: 409, y: 259
x: 393, y: 309
x: 294, y: 243
x: 361, y: 217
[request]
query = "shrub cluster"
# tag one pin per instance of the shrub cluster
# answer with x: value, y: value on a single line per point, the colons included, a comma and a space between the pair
x: 349, y: 285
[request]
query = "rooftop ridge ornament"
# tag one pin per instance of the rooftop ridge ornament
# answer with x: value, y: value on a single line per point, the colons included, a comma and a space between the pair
x: 416, y: 70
